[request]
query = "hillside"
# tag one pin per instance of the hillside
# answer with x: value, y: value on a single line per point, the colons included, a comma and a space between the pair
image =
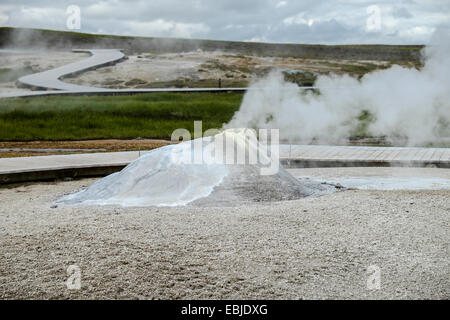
x: 23, y: 38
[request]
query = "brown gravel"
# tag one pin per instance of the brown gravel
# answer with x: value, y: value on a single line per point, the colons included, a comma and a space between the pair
x: 106, y: 145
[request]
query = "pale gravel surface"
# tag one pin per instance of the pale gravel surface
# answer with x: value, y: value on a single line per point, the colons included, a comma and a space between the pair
x: 194, y: 65
x: 307, y: 248
x: 371, y: 172
x: 39, y: 60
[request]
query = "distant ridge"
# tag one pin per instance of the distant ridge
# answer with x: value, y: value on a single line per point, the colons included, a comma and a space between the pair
x: 23, y: 38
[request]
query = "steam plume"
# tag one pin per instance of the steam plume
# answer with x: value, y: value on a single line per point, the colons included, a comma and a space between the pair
x: 403, y: 102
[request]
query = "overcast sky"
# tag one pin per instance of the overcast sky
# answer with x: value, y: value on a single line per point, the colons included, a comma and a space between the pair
x: 300, y: 21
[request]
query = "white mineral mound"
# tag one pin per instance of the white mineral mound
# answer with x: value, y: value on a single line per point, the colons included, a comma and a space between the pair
x: 173, y: 176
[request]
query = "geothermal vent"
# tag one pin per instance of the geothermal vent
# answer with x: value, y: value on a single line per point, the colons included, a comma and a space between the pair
x: 174, y: 175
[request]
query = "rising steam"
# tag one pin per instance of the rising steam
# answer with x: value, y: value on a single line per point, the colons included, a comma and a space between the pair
x: 403, y: 102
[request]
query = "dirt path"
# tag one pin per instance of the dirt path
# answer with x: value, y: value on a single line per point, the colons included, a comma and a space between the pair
x: 43, y: 148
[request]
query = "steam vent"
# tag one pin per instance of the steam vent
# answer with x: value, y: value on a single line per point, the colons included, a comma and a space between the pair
x: 169, y: 176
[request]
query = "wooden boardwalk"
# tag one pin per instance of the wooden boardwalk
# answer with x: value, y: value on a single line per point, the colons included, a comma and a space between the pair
x: 48, y: 80
x: 391, y: 155
x: 98, y: 164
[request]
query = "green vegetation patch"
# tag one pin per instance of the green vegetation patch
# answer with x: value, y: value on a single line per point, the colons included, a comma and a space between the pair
x: 153, y: 115
x: 8, y: 74
x: 300, y: 78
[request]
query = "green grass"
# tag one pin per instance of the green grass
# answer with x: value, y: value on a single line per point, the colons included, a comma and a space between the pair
x: 362, y: 125
x: 201, y: 83
x: 300, y: 78
x: 153, y: 115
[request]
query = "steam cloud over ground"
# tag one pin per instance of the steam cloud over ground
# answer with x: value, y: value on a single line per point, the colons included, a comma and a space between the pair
x: 404, y: 103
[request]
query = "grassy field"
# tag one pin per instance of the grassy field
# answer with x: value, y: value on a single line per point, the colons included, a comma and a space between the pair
x: 153, y: 115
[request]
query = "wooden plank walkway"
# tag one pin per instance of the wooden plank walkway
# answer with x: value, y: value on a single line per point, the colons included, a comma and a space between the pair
x: 311, y: 152
x: 97, y: 164
x: 50, y: 79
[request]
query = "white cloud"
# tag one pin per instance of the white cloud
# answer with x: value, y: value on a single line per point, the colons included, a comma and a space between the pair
x: 298, y: 18
x: 3, y: 19
x: 256, y: 39
x: 163, y: 28
x: 401, y: 12
x: 416, y: 34
x: 281, y: 4
x: 34, y: 17
x: 337, y: 21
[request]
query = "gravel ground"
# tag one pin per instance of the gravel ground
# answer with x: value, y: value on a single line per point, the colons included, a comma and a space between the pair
x: 196, y: 65
x: 302, y: 249
x: 37, y: 59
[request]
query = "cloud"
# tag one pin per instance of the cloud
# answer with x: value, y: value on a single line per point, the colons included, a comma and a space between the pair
x: 280, y: 4
x: 36, y: 17
x: 299, y: 18
x: 311, y: 21
x: 401, y: 12
x: 163, y: 28
x: 3, y: 18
